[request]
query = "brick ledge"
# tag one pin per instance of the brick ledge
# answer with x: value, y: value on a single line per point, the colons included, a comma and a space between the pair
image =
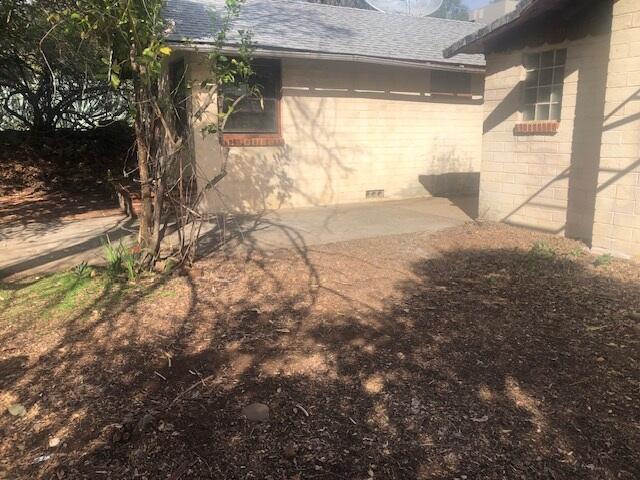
x: 252, y: 141
x: 536, y: 128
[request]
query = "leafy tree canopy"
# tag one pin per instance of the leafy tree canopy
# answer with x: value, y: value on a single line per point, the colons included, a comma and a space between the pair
x: 453, y: 9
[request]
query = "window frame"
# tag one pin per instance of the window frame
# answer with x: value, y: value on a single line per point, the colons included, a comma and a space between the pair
x: 258, y: 139
x: 539, y: 72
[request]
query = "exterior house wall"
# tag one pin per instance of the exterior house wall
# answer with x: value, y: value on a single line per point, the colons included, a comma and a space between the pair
x: 617, y: 208
x: 583, y: 181
x: 349, y: 128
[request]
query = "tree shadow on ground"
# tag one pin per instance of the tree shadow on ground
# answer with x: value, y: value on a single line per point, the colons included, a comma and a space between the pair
x: 488, y: 363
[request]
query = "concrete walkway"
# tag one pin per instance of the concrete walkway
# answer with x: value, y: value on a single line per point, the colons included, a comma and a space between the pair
x: 33, y: 248
x: 41, y: 247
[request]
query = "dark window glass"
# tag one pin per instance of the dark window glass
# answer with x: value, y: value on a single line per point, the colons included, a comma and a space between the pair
x: 546, y: 76
x: 544, y: 95
x: 178, y: 87
x: 542, y: 98
x: 529, y: 113
x: 254, y: 113
x: 530, y: 95
x: 450, y: 83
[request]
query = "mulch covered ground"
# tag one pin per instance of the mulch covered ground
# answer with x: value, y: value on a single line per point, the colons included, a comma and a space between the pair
x: 485, y: 352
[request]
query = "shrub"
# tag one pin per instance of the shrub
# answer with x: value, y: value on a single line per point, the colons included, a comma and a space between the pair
x: 82, y: 270
x: 604, y: 259
x: 542, y: 249
x: 122, y: 260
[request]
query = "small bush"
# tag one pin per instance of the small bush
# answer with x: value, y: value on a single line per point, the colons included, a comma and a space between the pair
x: 604, y: 259
x: 122, y: 260
x: 576, y: 252
x: 542, y: 249
x: 82, y: 270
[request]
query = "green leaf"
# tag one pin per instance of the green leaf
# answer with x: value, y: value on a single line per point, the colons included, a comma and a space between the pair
x: 147, y: 52
x: 115, y: 80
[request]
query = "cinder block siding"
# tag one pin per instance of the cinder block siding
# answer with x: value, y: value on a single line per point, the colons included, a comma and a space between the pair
x: 583, y: 181
x: 349, y: 128
x: 617, y: 215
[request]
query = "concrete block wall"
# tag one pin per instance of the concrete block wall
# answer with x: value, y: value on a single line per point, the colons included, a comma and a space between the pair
x: 349, y: 128
x: 584, y: 180
x: 617, y: 210
x: 525, y: 178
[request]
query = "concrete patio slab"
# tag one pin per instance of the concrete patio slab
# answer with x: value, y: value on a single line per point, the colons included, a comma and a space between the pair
x: 305, y: 227
x: 31, y: 248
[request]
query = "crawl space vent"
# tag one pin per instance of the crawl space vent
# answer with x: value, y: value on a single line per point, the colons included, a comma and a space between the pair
x: 374, y: 194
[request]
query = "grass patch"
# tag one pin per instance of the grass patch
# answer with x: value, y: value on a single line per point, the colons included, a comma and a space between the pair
x: 48, y: 299
x: 544, y: 250
x: 604, y: 259
x: 44, y: 302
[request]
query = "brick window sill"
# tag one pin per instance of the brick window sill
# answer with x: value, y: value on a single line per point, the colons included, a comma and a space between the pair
x: 536, y: 128
x: 241, y: 140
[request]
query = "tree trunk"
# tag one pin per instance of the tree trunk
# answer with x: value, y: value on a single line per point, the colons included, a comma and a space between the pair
x: 145, y: 233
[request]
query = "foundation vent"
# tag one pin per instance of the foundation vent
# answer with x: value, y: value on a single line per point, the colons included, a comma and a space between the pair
x: 374, y: 194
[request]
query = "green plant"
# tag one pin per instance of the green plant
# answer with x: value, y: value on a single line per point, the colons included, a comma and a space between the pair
x: 130, y: 40
x: 122, y: 260
x: 604, y: 259
x: 576, y: 252
x: 542, y: 249
x: 82, y: 270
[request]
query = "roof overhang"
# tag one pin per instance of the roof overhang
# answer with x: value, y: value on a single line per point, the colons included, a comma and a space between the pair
x: 526, y: 11
x: 263, y: 52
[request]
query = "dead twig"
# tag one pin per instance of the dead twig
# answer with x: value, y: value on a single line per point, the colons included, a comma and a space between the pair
x: 180, y: 395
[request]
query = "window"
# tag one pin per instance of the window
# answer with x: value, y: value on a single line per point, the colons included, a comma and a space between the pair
x: 450, y: 83
x: 543, y: 85
x: 255, y: 115
x: 178, y: 95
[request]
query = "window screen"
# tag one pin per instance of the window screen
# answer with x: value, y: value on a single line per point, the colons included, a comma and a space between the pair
x: 543, y: 85
x: 255, y: 114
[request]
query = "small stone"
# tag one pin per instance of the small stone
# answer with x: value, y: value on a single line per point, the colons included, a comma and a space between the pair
x: 146, y: 423
x: 54, y: 442
x: 165, y: 426
x: 256, y: 412
x: 17, y: 410
x: 290, y: 450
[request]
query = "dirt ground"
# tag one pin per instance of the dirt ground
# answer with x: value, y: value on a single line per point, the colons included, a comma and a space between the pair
x: 64, y: 175
x: 483, y: 352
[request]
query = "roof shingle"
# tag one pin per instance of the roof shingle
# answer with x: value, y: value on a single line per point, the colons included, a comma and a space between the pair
x: 295, y: 26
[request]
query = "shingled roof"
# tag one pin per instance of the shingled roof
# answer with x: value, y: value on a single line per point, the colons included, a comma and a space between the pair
x: 281, y: 26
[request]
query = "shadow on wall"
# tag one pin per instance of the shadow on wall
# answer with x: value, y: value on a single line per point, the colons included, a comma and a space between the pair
x: 269, y: 178
x: 584, y: 170
x: 460, y: 184
x: 329, y: 139
x: 461, y: 189
x: 454, y: 179
x: 583, y: 174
